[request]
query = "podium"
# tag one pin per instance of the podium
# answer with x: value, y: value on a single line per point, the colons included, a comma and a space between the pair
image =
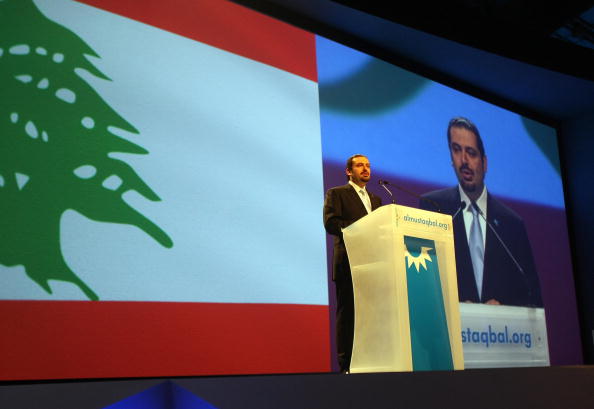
x: 406, y: 297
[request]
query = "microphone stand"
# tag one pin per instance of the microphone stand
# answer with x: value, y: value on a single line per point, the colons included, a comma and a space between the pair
x: 383, y: 184
x: 509, y: 253
x: 460, y: 208
x: 479, y: 211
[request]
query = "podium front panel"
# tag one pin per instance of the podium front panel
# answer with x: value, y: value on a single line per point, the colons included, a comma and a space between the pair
x: 382, y: 335
x: 391, y: 333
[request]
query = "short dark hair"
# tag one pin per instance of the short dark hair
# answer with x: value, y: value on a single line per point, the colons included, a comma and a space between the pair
x: 461, y: 122
x: 349, y: 163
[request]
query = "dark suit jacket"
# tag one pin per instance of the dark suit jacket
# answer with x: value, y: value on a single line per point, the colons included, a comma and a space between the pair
x: 502, y: 280
x: 343, y: 207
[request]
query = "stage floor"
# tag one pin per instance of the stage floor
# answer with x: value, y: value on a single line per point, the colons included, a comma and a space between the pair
x: 552, y: 387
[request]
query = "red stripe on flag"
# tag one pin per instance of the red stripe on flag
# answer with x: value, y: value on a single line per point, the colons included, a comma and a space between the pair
x: 81, y: 339
x: 228, y: 26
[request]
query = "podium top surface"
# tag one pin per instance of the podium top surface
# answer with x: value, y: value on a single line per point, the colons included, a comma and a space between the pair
x: 407, y: 218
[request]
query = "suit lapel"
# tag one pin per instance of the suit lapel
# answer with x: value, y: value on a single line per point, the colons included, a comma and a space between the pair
x: 463, y: 260
x: 490, y: 244
x: 453, y: 203
x: 375, y: 201
x: 359, y: 207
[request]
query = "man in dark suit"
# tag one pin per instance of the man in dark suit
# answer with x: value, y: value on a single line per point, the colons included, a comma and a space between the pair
x: 343, y: 206
x: 491, y: 269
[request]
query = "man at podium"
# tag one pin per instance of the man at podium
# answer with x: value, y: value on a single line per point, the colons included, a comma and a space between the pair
x: 343, y: 206
x: 494, y: 259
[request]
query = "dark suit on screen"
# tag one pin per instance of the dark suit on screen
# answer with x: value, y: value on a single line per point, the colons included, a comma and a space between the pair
x: 502, y: 280
x: 343, y: 207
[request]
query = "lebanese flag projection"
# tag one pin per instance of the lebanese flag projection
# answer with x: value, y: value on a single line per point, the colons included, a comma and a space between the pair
x: 190, y: 210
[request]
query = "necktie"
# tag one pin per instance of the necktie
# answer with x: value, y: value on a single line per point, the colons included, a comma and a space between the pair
x: 477, y: 249
x: 365, y: 199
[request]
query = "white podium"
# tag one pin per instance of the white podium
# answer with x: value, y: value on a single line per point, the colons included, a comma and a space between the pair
x: 406, y: 297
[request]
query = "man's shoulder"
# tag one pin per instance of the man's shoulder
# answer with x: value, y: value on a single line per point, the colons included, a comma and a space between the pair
x: 342, y: 188
x: 346, y: 186
x: 500, y: 210
x: 339, y: 192
x: 446, y: 200
x: 450, y: 193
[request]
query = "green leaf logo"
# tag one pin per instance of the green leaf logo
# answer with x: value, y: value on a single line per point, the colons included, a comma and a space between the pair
x: 56, y: 137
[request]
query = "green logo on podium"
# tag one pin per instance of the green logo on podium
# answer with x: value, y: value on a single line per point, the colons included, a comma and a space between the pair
x: 428, y: 323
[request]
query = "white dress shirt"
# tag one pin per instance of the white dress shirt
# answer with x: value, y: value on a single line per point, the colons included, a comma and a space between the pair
x: 482, y: 204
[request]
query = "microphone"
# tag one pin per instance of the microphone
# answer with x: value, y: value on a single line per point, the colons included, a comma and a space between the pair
x: 383, y: 184
x: 462, y: 207
x: 479, y: 211
x: 410, y: 192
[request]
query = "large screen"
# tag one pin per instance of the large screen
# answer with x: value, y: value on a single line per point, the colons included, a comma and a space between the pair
x: 400, y: 120
x: 162, y: 172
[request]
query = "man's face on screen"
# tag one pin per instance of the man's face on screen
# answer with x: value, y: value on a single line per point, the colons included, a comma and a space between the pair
x: 361, y: 171
x: 468, y: 163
